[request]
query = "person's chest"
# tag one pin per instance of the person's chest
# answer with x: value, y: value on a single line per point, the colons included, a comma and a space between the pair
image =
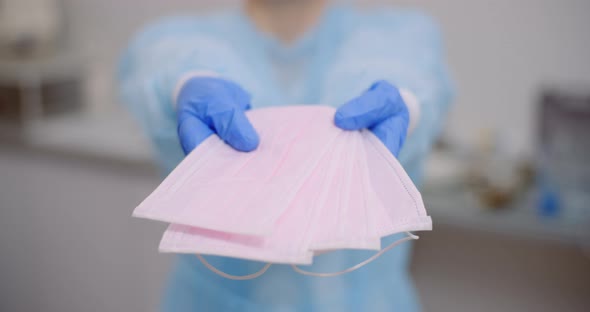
x: 289, y: 74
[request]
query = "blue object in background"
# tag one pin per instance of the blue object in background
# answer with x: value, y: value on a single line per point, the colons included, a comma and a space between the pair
x: 548, y: 202
x: 563, y: 153
x: 333, y: 63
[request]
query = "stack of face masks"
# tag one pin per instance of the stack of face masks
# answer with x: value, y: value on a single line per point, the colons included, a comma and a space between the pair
x: 308, y: 188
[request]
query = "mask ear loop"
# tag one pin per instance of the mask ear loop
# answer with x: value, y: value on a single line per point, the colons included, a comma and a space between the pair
x: 360, y: 265
x: 233, y: 277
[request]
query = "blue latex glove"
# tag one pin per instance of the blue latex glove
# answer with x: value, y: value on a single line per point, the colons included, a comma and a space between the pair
x: 206, y: 106
x: 380, y: 109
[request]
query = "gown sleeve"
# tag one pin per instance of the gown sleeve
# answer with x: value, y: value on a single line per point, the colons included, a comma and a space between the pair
x: 158, y: 58
x: 404, y: 48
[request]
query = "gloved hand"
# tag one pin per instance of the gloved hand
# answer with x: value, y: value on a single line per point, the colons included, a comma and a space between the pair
x: 208, y: 105
x: 380, y: 109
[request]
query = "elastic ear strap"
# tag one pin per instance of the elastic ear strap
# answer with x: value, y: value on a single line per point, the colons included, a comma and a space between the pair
x: 233, y: 277
x: 360, y: 265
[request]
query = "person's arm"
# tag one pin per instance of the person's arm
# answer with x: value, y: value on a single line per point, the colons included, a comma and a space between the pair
x: 405, y: 50
x: 160, y: 61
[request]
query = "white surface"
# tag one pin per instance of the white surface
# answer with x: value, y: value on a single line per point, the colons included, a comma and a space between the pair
x: 111, y: 136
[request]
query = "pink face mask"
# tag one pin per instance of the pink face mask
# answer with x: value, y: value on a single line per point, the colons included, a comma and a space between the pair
x: 308, y: 189
x: 244, y: 186
x: 344, y: 221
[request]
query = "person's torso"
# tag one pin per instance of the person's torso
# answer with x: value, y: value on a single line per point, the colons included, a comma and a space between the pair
x: 288, y: 75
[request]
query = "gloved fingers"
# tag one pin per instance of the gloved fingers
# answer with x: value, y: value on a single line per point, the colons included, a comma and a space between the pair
x: 377, y: 104
x: 219, y: 106
x: 392, y: 132
x: 200, y: 90
x: 233, y: 127
x: 192, y: 132
x: 361, y: 112
x: 240, y: 96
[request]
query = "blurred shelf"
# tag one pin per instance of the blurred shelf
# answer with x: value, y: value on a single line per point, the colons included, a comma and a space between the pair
x: 111, y: 137
x: 63, y: 63
x: 450, y: 203
x: 519, y: 221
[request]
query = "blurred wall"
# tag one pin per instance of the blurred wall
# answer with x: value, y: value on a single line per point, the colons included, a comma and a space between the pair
x: 500, y: 52
x: 67, y: 239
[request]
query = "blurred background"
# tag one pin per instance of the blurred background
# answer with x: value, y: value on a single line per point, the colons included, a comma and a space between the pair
x: 508, y: 186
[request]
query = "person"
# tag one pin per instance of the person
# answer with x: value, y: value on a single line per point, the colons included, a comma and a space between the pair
x: 187, y: 78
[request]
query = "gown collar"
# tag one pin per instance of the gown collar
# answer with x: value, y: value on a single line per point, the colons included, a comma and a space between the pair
x: 296, y: 49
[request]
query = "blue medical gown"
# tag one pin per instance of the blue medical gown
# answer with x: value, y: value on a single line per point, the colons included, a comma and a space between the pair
x: 335, y: 61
